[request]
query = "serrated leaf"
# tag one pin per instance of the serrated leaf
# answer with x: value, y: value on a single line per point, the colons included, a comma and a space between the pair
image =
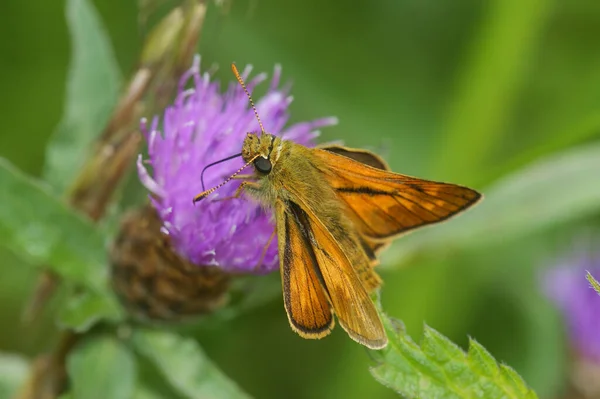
x: 13, y: 373
x: 185, y: 366
x: 438, y: 368
x: 513, y: 379
x: 82, y: 311
x: 593, y: 282
x: 419, y: 361
x: 438, y: 347
x: 526, y: 201
x: 481, y: 360
x: 42, y: 229
x: 93, y: 84
x: 101, y: 367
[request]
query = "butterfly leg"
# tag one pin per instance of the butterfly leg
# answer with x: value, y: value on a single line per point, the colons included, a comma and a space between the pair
x: 246, y: 185
x: 244, y: 177
x: 264, y: 251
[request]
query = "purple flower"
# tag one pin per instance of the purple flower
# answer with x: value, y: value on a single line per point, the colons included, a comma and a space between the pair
x: 567, y: 287
x: 204, y: 125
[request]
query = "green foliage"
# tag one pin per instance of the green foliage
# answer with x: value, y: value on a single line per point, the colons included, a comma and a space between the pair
x: 184, y: 365
x: 497, y: 117
x: 93, y: 86
x: 143, y: 392
x: 493, y: 74
x: 13, y: 373
x: 83, y: 310
x: 42, y: 229
x: 102, y: 367
x: 247, y: 294
x: 438, y: 368
x: 524, y: 202
x: 593, y: 282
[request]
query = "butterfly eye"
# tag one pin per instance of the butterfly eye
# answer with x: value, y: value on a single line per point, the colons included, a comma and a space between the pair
x: 263, y: 165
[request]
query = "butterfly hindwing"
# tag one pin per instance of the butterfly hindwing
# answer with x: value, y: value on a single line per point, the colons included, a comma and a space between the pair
x: 363, y: 156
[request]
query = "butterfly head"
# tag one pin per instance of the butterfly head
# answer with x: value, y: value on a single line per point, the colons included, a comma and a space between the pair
x: 257, y: 149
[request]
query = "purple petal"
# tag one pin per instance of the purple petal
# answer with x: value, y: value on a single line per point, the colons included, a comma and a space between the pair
x: 201, y: 126
x: 567, y: 287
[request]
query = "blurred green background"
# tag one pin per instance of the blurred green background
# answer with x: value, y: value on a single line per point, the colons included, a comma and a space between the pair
x: 463, y: 91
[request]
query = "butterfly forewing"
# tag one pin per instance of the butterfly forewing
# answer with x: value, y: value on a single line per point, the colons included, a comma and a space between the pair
x: 351, y: 303
x: 305, y: 300
x: 383, y: 204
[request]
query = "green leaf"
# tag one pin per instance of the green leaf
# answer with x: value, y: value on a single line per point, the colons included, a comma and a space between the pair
x: 557, y: 189
x: 509, y: 34
x: 83, y: 311
x: 93, y: 84
x: 481, y: 360
x: 101, y: 367
x: 584, y: 129
x: 39, y: 227
x: 593, y: 282
x: 438, y: 368
x: 13, y: 373
x: 184, y: 365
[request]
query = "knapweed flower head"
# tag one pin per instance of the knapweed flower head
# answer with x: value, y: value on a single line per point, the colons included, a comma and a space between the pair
x: 202, y: 126
x: 566, y: 285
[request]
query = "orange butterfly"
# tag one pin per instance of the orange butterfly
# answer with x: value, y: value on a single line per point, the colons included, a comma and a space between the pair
x: 334, y: 208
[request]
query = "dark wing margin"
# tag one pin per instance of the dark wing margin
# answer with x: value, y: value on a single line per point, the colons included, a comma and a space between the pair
x: 304, y: 297
x: 383, y: 204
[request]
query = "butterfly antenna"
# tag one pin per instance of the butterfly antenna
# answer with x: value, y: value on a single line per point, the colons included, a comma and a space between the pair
x: 241, y: 81
x: 216, y: 163
x: 206, y: 193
